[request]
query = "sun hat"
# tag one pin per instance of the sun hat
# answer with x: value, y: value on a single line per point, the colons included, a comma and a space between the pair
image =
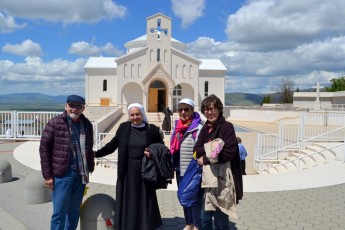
x: 187, y: 101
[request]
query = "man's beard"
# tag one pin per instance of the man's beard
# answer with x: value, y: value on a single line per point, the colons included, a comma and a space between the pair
x: 74, y: 116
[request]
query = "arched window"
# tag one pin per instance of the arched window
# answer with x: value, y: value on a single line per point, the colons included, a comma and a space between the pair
x: 125, y: 71
x: 158, y: 55
x: 165, y: 55
x: 151, y: 55
x: 105, y: 85
x: 139, y: 71
x: 206, y: 88
x: 132, y: 70
x: 184, y: 71
x: 177, y: 71
x: 190, y: 74
x: 177, y: 96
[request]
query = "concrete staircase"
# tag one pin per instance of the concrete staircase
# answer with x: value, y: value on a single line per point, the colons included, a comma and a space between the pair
x: 313, y: 155
x: 157, y: 118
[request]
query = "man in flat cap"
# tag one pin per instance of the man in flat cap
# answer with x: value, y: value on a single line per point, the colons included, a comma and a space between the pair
x: 67, y: 159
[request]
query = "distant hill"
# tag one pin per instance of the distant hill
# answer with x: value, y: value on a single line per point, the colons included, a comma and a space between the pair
x: 38, y: 101
x: 32, y: 102
x: 243, y: 99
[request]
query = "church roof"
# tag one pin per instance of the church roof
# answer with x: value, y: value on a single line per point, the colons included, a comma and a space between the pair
x: 211, y: 64
x: 141, y: 42
x: 101, y: 62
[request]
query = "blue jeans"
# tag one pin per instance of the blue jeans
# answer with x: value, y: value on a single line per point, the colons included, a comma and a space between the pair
x: 67, y: 197
x: 221, y: 220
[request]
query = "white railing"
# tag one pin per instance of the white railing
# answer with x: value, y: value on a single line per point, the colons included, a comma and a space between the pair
x: 274, y: 155
x: 293, y: 130
x: 14, y: 124
x: 103, y: 139
x: 28, y: 125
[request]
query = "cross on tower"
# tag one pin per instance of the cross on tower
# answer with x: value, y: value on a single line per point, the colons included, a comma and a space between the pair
x: 318, y: 87
x: 159, y: 30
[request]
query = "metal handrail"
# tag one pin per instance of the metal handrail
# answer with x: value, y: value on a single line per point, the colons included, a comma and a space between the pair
x: 299, y: 144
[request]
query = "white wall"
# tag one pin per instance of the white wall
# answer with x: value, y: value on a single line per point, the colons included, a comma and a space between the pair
x: 258, y: 115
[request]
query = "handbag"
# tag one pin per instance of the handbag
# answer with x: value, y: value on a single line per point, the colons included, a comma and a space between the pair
x: 189, y: 187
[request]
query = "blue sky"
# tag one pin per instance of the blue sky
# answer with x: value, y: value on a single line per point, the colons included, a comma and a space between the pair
x: 44, y: 44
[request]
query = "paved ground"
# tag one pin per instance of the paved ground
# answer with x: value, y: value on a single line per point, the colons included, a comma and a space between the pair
x: 317, y: 208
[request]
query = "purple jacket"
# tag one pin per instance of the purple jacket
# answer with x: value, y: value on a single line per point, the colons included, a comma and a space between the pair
x: 55, y: 146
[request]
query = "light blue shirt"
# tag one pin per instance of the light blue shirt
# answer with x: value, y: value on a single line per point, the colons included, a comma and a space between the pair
x: 243, y: 151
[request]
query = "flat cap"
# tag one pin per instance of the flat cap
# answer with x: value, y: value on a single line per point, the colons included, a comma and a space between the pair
x: 76, y: 98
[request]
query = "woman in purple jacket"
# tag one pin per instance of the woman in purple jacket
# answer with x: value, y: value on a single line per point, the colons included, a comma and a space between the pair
x: 182, y: 141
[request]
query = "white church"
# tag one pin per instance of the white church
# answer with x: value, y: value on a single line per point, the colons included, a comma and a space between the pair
x: 154, y: 72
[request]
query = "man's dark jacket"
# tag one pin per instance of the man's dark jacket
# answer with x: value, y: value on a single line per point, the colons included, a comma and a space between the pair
x: 55, y: 146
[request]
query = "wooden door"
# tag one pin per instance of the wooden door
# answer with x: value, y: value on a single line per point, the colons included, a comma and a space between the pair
x: 153, y: 100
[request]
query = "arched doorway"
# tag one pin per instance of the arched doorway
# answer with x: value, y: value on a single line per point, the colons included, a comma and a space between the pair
x: 157, y: 96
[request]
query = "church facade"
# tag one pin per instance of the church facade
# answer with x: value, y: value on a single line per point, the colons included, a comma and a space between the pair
x: 155, y: 72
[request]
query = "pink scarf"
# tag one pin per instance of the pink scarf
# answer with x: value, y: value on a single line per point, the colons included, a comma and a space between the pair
x: 180, y: 130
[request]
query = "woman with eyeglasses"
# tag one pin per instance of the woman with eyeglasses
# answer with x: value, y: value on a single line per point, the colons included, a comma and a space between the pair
x: 136, y: 200
x: 220, y: 202
x: 182, y: 141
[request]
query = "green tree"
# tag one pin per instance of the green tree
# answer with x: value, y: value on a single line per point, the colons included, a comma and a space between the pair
x: 338, y: 84
x: 285, y: 91
x: 266, y: 100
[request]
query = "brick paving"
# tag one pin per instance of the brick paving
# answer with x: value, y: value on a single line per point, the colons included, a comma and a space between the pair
x: 318, y: 208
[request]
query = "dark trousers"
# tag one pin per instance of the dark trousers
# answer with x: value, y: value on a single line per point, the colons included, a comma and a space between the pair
x: 243, y: 167
x: 219, y: 218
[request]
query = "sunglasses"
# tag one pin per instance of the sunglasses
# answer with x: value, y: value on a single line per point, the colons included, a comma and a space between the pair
x: 75, y: 106
x: 183, y: 109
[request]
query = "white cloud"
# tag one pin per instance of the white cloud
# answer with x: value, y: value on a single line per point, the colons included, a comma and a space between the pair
x: 26, y: 48
x: 256, y: 71
x: 8, y: 24
x: 65, y: 11
x: 58, y: 77
x: 188, y: 10
x: 269, y: 40
x: 275, y: 25
x: 111, y: 50
x: 83, y: 48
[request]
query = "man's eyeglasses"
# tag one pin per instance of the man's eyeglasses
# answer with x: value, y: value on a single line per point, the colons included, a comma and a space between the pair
x: 183, y: 109
x: 75, y: 106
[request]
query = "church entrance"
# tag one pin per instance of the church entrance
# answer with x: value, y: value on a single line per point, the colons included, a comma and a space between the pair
x: 157, y: 97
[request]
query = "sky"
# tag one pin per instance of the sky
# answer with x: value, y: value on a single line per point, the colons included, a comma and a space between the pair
x: 44, y: 44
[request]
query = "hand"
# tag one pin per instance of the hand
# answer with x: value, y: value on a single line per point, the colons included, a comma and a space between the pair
x: 49, y: 183
x: 147, y: 153
x: 201, y: 161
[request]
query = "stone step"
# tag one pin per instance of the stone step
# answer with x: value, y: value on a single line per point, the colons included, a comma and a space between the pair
x: 280, y: 168
x: 309, y: 162
x: 319, y: 159
x: 329, y: 153
x: 289, y: 166
x: 272, y: 171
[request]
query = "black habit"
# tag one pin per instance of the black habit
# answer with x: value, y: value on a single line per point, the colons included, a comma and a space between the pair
x: 136, y: 200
